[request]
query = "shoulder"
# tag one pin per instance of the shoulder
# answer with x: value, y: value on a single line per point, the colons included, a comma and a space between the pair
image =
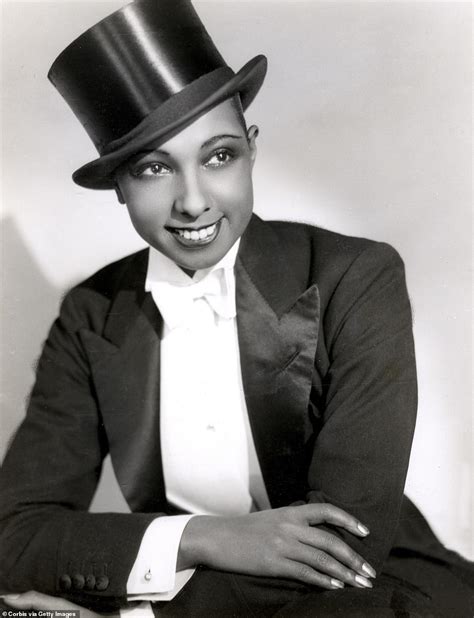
x: 128, y: 271
x: 330, y: 256
x: 361, y: 283
x: 356, y: 277
x: 89, y: 302
x: 326, y: 243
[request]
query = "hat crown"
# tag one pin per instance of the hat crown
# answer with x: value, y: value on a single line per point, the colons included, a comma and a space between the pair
x: 130, y: 63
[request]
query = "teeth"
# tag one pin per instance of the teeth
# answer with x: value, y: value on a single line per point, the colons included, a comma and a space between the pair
x: 201, y: 234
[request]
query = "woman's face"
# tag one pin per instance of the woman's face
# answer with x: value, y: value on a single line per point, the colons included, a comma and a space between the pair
x: 192, y: 197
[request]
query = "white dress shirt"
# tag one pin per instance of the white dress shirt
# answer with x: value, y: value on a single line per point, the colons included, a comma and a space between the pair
x: 209, y: 460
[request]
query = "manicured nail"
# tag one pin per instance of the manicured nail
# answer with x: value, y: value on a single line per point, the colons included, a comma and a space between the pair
x: 363, y: 529
x: 363, y: 582
x: 11, y: 597
x: 335, y: 583
x: 368, y: 570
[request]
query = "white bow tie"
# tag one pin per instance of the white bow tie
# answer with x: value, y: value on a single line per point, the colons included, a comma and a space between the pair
x: 176, y: 302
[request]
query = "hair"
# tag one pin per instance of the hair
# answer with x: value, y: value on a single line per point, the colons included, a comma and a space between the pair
x: 239, y: 110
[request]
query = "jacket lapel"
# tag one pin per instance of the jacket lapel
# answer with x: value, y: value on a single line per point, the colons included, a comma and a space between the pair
x: 278, y: 321
x: 126, y: 372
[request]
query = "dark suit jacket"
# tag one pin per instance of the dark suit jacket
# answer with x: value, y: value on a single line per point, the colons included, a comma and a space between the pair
x: 328, y: 366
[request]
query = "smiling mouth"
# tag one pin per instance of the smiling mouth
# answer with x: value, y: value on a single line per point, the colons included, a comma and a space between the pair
x: 196, y: 236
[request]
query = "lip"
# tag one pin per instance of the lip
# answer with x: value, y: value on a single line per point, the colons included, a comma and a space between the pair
x: 192, y: 228
x: 195, y: 244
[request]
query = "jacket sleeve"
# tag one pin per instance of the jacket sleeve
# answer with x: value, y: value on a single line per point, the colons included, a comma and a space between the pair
x: 48, y: 540
x: 369, y: 398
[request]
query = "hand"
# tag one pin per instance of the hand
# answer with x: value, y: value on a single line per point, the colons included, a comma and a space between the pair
x: 39, y: 601
x: 283, y: 542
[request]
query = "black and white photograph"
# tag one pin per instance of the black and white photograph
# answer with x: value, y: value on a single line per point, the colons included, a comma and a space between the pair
x: 236, y: 290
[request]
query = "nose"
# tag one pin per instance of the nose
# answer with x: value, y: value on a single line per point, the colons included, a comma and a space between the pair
x: 191, y: 199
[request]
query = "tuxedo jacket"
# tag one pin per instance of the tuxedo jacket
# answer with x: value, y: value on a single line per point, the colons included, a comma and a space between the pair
x: 328, y: 369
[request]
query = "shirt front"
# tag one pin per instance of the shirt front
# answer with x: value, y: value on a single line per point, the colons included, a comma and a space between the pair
x: 204, y: 443
x: 208, y: 456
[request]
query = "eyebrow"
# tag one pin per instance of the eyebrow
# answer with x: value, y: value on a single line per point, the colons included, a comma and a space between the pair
x: 217, y: 138
x: 207, y: 144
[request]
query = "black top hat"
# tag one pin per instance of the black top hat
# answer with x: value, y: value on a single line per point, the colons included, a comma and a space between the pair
x: 142, y: 74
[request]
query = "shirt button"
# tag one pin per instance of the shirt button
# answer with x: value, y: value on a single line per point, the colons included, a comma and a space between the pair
x: 210, y: 427
x: 148, y: 576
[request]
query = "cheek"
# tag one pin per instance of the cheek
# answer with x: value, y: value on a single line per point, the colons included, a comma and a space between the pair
x: 232, y: 191
x: 147, y: 217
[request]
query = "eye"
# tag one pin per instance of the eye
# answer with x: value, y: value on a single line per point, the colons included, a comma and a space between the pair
x: 219, y: 158
x: 152, y: 169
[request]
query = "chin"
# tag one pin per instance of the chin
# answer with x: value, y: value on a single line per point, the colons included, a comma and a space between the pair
x: 201, y: 262
x: 199, y: 259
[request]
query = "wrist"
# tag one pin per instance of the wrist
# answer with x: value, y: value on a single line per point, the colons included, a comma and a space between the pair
x: 197, y: 540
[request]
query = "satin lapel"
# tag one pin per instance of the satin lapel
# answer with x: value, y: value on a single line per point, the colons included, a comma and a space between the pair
x: 278, y: 320
x: 126, y: 373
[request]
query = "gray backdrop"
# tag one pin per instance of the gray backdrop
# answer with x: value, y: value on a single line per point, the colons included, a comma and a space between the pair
x: 365, y: 125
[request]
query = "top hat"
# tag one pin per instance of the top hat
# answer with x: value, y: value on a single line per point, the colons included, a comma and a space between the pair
x: 142, y: 74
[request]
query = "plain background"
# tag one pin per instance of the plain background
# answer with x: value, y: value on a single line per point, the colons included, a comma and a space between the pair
x: 365, y: 123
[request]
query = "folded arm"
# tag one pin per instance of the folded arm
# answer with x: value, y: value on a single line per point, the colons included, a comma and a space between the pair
x: 49, y: 477
x: 368, y: 399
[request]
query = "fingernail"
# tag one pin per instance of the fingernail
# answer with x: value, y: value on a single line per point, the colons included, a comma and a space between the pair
x: 363, y: 582
x: 363, y: 529
x: 11, y: 597
x: 335, y: 583
x: 368, y: 570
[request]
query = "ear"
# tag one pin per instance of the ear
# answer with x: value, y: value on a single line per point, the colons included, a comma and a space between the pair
x: 118, y: 192
x: 252, y: 134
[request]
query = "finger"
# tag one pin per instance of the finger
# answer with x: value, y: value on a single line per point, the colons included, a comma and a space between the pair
x: 39, y: 601
x: 331, y: 544
x: 324, y: 563
x: 307, y: 575
x: 330, y: 514
x: 32, y: 600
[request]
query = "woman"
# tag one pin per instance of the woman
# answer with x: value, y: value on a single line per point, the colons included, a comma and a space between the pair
x: 327, y: 370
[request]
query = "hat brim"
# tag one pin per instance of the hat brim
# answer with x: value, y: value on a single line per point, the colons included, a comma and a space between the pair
x: 173, y: 116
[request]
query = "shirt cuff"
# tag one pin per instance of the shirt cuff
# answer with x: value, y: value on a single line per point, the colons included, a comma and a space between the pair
x: 154, y: 570
x: 142, y: 610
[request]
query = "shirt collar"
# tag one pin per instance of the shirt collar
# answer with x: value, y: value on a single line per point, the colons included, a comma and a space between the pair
x: 162, y: 269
